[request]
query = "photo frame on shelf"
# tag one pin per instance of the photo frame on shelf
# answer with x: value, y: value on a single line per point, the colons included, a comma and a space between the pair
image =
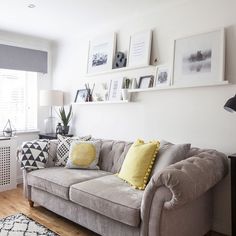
x: 146, y: 82
x: 140, y: 49
x: 101, y: 53
x: 81, y: 95
x: 101, y: 91
x: 163, y: 76
x: 115, y: 89
x: 199, y: 59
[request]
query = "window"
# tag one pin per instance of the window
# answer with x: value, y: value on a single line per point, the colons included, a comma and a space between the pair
x: 18, y: 99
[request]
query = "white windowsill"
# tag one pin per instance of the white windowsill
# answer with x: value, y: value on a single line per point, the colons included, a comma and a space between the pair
x: 27, y: 131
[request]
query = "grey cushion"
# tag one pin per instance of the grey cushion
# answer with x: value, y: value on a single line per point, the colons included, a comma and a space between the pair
x: 112, y: 155
x: 169, y: 154
x: 57, y: 180
x: 109, y: 196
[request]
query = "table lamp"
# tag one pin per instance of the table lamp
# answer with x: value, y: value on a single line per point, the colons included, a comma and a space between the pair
x: 50, y: 98
x: 230, y: 105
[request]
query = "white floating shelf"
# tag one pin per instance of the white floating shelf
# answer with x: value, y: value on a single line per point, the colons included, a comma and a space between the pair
x: 101, y: 102
x: 221, y: 83
x: 119, y: 70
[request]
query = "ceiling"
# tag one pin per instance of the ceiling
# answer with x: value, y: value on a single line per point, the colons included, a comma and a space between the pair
x: 58, y: 19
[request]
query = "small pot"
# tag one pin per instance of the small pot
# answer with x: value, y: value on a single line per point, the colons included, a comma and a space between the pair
x: 65, y: 129
x: 125, y: 94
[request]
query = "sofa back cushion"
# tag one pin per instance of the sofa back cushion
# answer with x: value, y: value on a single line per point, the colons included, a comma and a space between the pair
x: 169, y: 154
x: 112, y: 155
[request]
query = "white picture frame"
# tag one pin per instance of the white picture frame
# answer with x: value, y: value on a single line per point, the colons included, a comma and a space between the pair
x: 199, y: 59
x: 101, y: 91
x: 140, y: 49
x: 163, y: 76
x: 101, y: 53
x: 115, y: 89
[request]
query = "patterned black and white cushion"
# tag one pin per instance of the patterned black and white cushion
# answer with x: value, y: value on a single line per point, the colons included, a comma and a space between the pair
x: 34, y: 154
x: 63, y: 148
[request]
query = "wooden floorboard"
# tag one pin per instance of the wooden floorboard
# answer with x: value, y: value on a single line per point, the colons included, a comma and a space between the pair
x: 12, y: 202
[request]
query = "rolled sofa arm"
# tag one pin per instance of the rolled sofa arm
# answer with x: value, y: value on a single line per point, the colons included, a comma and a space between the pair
x: 184, y: 181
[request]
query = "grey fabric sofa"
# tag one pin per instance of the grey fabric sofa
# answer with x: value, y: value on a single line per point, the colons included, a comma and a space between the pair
x: 176, y: 202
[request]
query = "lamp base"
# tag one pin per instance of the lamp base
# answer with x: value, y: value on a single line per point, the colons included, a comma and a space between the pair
x: 50, y: 125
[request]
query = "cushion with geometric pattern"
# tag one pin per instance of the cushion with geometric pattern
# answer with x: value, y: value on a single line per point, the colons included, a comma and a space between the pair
x: 63, y: 148
x: 34, y: 154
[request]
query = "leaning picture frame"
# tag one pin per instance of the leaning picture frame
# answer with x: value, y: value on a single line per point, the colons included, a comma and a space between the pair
x: 146, y: 81
x: 101, y: 53
x: 81, y: 95
x: 140, y: 49
x: 199, y: 59
x: 163, y: 76
x: 116, y: 89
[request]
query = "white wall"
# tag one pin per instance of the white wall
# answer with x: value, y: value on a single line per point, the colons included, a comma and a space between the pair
x: 193, y: 115
x: 44, y: 80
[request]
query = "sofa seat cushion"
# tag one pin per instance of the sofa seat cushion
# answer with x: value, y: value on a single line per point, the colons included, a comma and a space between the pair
x: 109, y: 196
x: 57, y: 180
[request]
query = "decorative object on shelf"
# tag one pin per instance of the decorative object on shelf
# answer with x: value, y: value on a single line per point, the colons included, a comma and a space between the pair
x: 50, y: 98
x: 115, y: 90
x: 140, y: 49
x: 65, y: 119
x: 101, y: 91
x: 82, y: 95
x: 59, y: 129
x: 120, y: 60
x: 162, y: 76
x: 134, y: 83
x: 200, y: 58
x: 90, y: 92
x: 101, y: 53
x: 230, y: 105
x: 8, y: 131
x: 146, y: 81
x: 124, y: 92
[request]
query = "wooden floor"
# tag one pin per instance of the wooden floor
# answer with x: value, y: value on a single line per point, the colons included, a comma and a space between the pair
x: 12, y: 202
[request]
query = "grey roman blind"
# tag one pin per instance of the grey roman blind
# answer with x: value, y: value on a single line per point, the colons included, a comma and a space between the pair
x: 25, y: 59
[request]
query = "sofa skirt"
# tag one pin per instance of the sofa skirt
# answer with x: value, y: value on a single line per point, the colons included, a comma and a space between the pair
x: 96, y: 222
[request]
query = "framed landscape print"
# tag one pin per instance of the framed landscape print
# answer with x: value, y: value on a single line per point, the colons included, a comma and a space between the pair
x: 101, y: 53
x: 199, y: 59
x: 162, y: 76
x: 140, y: 49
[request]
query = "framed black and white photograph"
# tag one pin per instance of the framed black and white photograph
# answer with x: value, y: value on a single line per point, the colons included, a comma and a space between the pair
x: 146, y: 82
x: 162, y: 76
x: 81, y: 95
x: 115, y: 89
x: 199, y: 59
x: 140, y: 49
x: 101, y: 53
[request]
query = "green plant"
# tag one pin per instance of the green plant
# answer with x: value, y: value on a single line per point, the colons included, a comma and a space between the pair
x: 65, y: 118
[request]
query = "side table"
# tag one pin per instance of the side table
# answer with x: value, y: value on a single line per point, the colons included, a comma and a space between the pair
x: 52, y: 136
x: 233, y: 192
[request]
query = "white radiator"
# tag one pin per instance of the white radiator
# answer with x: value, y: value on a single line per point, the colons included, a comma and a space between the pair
x: 8, y: 164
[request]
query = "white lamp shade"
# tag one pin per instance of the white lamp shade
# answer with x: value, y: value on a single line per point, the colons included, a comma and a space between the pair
x: 51, y: 98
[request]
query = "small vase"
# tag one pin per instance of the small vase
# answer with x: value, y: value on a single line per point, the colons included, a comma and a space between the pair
x: 125, y: 94
x: 65, y: 129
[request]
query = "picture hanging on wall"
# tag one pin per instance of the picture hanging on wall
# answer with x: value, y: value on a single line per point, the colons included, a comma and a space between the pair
x: 101, y: 53
x: 199, y: 59
x: 162, y: 76
x: 140, y: 49
x: 115, y: 89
